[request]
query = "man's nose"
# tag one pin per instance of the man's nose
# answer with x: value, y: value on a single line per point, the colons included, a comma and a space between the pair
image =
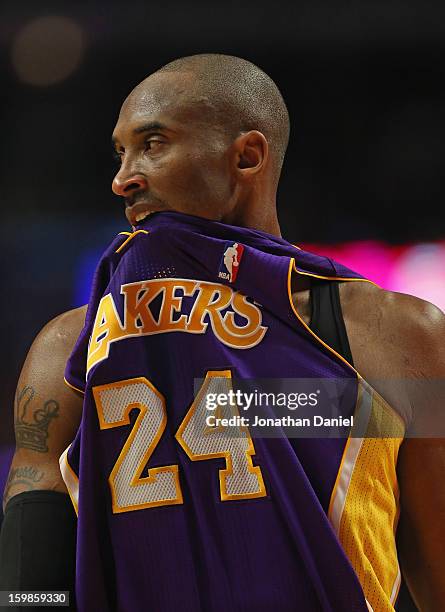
x: 125, y: 185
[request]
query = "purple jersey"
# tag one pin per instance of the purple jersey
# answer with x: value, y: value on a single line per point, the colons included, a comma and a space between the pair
x: 174, y: 515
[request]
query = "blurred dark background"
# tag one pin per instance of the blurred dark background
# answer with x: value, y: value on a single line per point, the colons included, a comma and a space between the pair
x: 364, y: 82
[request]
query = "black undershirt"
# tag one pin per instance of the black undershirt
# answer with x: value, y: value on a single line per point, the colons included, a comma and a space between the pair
x: 327, y: 318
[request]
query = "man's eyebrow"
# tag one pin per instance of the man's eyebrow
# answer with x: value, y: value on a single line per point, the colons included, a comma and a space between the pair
x: 146, y: 127
x: 149, y: 127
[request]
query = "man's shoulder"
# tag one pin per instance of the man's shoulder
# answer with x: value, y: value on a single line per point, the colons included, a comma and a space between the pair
x: 62, y: 328
x: 56, y: 339
x: 381, y: 309
x: 403, y: 327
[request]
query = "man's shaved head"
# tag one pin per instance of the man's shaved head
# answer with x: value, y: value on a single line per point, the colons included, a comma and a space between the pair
x: 237, y: 96
x: 242, y: 96
x: 219, y: 127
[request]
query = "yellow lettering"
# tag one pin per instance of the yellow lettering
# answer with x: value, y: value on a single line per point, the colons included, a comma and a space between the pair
x: 107, y: 328
x: 248, y: 311
x: 172, y: 304
x: 137, y: 299
x: 211, y: 298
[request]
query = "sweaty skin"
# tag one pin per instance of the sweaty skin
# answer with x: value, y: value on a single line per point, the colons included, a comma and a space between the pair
x: 169, y: 148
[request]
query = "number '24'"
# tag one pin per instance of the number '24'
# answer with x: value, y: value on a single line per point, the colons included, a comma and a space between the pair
x: 129, y: 490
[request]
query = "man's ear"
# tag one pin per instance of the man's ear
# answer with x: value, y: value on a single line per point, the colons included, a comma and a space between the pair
x: 252, y: 153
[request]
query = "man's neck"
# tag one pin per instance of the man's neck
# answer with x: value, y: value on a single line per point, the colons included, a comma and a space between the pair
x: 254, y: 215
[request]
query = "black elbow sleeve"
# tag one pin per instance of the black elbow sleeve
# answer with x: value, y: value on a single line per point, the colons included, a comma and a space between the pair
x: 38, y: 543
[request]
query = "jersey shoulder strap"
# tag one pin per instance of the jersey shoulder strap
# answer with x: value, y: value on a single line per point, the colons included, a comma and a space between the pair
x: 327, y: 317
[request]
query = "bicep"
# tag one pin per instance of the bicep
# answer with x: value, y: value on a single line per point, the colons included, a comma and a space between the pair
x: 46, y: 412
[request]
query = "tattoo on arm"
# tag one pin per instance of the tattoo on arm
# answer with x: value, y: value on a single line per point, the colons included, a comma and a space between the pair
x: 25, y: 477
x: 32, y: 422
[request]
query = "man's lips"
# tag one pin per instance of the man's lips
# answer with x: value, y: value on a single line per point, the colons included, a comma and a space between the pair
x: 136, y: 212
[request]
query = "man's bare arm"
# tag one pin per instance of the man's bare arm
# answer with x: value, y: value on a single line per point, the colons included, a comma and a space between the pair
x: 421, y: 466
x: 38, y: 535
x: 398, y: 345
x: 47, y: 412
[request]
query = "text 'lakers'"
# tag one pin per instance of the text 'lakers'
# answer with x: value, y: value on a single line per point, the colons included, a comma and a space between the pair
x: 157, y: 306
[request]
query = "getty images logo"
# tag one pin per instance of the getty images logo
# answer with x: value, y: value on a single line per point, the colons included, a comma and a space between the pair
x: 228, y: 269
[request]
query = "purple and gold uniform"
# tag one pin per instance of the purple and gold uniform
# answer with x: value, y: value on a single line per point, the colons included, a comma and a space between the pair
x: 175, y: 515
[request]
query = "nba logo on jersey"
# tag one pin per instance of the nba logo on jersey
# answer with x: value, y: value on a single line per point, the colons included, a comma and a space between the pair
x: 228, y: 269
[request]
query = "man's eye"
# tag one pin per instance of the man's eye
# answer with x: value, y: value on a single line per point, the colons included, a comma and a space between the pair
x: 152, y: 143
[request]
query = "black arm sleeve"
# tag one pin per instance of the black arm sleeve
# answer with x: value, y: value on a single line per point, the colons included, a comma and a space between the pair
x: 38, y: 543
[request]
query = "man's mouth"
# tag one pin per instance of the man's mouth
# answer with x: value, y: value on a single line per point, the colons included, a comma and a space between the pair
x: 138, y: 211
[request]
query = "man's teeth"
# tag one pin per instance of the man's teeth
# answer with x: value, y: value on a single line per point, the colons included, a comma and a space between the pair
x: 141, y: 216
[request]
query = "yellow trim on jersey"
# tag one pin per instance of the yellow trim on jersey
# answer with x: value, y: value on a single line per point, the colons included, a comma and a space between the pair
x: 130, y: 237
x: 70, y: 479
x: 68, y: 384
x: 336, y: 504
x: 364, y: 508
x: 337, y: 278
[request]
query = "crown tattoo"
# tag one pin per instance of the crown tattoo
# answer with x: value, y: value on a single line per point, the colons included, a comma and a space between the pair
x: 32, y: 429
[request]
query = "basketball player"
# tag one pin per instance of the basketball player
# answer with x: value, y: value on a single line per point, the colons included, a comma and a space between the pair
x: 288, y: 524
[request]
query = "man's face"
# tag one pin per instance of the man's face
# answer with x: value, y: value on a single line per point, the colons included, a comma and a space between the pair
x: 171, y: 156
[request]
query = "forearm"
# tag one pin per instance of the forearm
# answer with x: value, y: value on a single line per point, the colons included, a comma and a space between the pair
x: 28, y: 474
